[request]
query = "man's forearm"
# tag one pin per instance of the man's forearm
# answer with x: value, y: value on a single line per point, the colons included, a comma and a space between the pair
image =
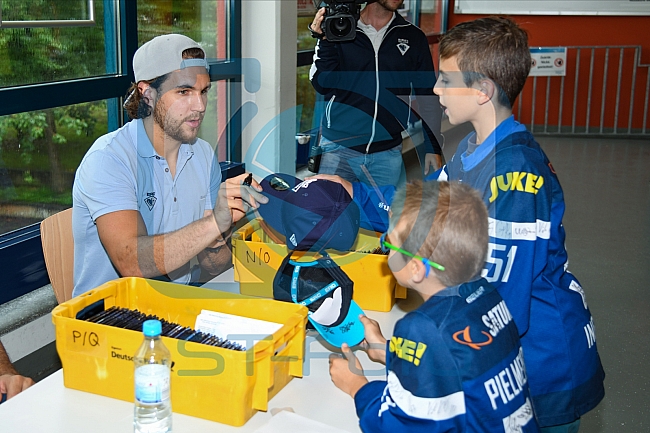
x: 5, y: 365
x: 216, y: 260
x: 164, y: 253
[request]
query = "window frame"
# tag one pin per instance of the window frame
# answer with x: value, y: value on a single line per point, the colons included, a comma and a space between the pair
x: 31, y: 97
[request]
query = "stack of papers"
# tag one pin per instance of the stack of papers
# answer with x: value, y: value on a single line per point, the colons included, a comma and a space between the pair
x: 241, y: 330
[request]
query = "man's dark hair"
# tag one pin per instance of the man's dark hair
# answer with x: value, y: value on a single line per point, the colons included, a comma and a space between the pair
x: 491, y: 47
x: 136, y: 104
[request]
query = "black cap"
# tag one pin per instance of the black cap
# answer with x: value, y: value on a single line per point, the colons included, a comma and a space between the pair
x: 326, y: 290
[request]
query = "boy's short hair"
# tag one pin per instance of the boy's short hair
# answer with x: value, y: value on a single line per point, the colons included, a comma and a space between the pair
x: 446, y: 222
x: 491, y: 47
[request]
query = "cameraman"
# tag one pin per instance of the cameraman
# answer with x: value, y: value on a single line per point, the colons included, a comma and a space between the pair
x: 369, y: 84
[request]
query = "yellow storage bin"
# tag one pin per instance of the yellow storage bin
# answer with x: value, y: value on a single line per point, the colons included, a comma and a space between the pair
x: 256, y: 259
x: 208, y: 382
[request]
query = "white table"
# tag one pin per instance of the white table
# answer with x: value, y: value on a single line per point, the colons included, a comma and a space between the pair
x: 50, y: 407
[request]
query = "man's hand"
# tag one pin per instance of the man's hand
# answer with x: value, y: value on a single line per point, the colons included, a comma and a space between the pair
x: 318, y: 20
x: 334, y: 178
x: 12, y: 384
x: 374, y: 342
x: 346, y: 371
x: 432, y: 162
x: 235, y: 199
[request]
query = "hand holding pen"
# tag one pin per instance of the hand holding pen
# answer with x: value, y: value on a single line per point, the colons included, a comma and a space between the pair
x: 236, y: 197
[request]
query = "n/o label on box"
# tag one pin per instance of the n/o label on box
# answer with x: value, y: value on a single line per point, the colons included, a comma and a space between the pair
x: 88, y: 342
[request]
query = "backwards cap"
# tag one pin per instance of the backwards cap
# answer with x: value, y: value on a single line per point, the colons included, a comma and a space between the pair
x: 326, y: 290
x: 164, y: 54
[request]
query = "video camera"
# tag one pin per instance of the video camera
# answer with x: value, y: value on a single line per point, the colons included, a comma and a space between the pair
x: 340, y: 21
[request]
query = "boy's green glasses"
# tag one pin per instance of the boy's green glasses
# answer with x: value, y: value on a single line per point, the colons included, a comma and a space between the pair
x: 385, y: 246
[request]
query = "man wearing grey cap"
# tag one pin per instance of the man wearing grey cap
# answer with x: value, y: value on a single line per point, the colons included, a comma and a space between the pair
x: 148, y: 199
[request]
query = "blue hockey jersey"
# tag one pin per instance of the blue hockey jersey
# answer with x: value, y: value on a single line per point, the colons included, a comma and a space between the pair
x: 528, y: 264
x: 454, y: 364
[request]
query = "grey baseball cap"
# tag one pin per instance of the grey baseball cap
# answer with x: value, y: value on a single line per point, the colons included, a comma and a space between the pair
x: 164, y: 54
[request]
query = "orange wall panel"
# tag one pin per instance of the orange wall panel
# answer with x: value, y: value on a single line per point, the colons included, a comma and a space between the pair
x: 584, y: 30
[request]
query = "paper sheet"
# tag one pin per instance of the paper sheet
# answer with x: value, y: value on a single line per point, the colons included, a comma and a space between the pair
x: 242, y: 330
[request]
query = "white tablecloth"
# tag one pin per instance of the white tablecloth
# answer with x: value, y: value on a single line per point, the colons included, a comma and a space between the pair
x: 50, y: 407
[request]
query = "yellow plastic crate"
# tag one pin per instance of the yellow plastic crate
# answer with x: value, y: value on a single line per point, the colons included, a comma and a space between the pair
x: 256, y: 259
x: 208, y: 382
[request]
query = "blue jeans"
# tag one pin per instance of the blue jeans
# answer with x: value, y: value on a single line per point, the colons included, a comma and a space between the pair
x: 571, y: 427
x: 380, y: 168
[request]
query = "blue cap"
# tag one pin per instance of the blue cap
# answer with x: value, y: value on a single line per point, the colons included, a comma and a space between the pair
x: 350, y: 331
x: 152, y: 328
x: 313, y: 214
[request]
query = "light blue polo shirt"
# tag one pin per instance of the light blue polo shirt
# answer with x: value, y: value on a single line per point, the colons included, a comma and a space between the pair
x: 122, y: 171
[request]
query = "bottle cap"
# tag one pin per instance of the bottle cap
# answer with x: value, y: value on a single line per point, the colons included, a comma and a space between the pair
x: 152, y: 328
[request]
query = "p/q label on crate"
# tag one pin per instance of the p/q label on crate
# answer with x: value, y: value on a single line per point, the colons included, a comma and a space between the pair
x: 89, y: 342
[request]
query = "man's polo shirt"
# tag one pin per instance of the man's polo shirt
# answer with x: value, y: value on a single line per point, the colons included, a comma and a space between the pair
x: 122, y: 171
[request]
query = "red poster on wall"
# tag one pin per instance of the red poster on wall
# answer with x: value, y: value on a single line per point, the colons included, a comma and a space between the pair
x: 306, y: 8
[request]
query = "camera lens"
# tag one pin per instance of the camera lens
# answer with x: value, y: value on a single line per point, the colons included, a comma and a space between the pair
x: 340, y: 26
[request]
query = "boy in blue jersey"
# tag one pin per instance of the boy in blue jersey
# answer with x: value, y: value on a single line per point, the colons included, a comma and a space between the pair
x: 455, y: 363
x: 483, y: 67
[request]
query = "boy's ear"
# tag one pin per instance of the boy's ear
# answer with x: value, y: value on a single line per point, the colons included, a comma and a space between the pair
x: 418, y: 271
x: 487, y: 90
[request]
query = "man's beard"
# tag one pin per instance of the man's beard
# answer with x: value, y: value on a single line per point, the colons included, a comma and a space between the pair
x: 389, y: 7
x: 172, y: 129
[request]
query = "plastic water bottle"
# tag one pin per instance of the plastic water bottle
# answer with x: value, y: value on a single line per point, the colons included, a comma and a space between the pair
x: 153, y: 408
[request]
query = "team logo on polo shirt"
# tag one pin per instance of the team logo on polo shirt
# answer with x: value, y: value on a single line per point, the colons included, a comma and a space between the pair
x: 403, y: 45
x: 150, y: 200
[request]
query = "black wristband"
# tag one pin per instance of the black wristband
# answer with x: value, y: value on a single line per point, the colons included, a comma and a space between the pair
x: 217, y: 249
x: 314, y: 34
x: 225, y: 237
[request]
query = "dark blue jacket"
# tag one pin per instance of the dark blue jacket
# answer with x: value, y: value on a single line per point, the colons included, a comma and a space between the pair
x: 454, y: 365
x: 371, y: 97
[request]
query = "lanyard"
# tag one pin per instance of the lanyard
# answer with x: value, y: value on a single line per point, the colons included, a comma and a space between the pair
x: 321, y: 293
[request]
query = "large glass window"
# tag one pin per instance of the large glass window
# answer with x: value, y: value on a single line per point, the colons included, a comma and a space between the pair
x: 305, y: 100
x: 63, y: 75
x: 31, y: 55
x: 205, y: 22
x: 39, y: 153
x: 305, y: 94
x: 306, y: 12
x: 432, y: 16
x: 195, y: 19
